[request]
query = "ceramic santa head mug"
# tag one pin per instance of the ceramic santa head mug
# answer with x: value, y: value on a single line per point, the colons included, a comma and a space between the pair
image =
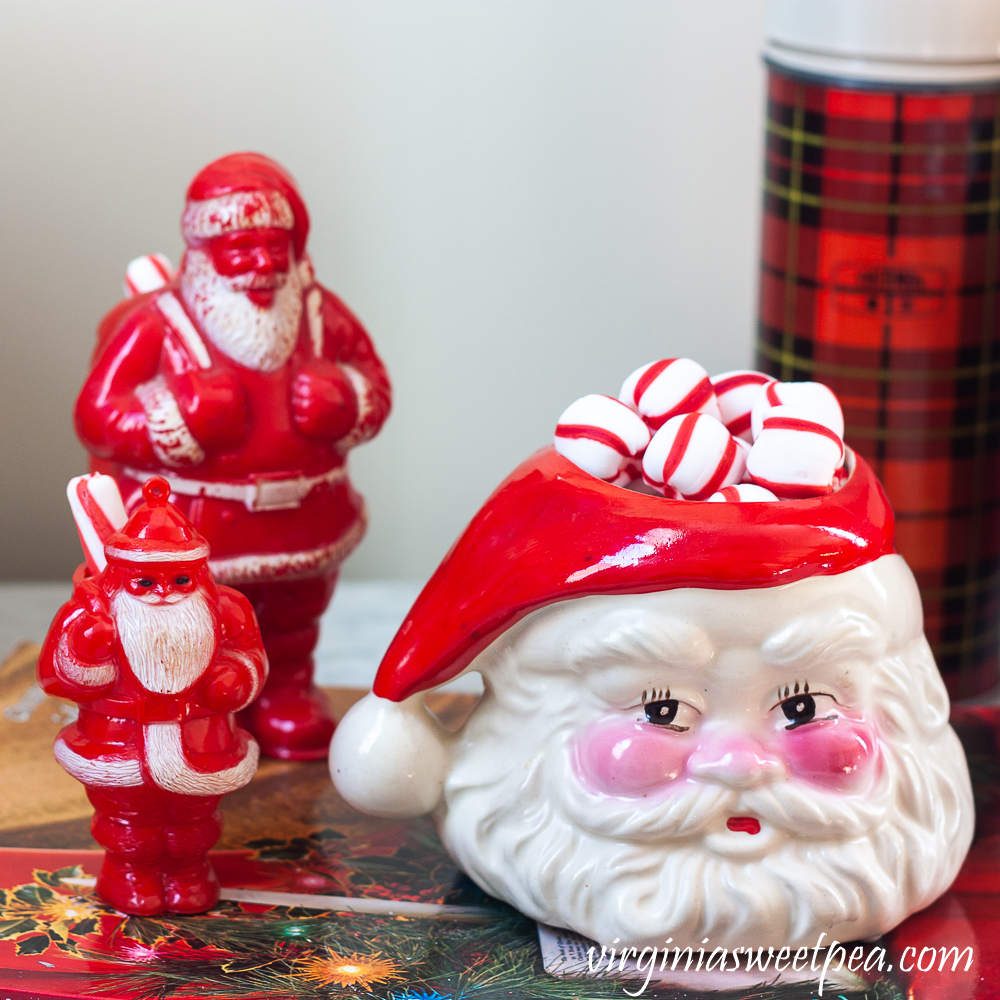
x: 700, y: 720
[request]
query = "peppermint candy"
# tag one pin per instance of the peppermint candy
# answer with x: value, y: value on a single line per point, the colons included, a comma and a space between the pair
x: 602, y: 436
x: 795, y: 455
x: 664, y: 389
x: 742, y: 493
x: 812, y: 398
x: 694, y: 455
x: 736, y: 392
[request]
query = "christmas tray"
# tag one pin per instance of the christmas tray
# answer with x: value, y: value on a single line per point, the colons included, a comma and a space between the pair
x: 320, y: 901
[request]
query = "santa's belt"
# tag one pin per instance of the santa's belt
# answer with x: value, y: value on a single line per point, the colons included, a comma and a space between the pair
x: 162, y: 709
x: 264, y: 491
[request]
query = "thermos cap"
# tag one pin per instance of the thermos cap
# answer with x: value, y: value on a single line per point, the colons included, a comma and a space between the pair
x: 928, y: 42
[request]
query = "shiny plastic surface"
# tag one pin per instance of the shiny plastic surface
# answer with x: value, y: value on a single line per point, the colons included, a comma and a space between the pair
x: 245, y: 383
x: 159, y: 658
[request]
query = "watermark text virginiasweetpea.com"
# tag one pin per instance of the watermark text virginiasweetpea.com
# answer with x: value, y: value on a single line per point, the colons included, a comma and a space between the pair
x: 861, y: 959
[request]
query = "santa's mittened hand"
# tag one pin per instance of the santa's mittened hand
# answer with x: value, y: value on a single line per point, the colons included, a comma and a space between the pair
x: 324, y: 403
x: 227, y: 686
x: 213, y: 406
x: 91, y: 638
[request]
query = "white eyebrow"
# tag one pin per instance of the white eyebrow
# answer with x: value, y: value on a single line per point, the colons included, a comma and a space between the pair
x: 641, y: 642
x: 822, y: 639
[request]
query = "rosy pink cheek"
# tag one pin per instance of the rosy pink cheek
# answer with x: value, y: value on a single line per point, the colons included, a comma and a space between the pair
x: 837, y: 753
x: 626, y: 758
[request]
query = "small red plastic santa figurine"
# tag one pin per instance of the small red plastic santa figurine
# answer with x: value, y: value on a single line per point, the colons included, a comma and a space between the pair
x: 245, y: 383
x: 158, y: 657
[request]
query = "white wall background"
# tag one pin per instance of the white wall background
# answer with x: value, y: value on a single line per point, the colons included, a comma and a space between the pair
x: 523, y: 200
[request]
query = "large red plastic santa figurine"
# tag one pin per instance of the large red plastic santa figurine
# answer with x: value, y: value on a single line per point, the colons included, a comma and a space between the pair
x: 158, y: 657
x: 245, y: 383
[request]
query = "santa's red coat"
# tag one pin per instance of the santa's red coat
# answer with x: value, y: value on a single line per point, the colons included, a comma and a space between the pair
x: 128, y: 736
x: 268, y: 491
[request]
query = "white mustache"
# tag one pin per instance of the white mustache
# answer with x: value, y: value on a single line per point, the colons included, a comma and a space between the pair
x: 693, y: 807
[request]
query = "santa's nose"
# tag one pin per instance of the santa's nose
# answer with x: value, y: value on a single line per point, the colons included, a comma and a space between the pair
x: 736, y: 760
x: 263, y: 262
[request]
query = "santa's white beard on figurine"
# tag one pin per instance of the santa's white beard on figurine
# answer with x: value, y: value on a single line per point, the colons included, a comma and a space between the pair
x: 261, y: 339
x: 865, y: 814
x: 168, y: 646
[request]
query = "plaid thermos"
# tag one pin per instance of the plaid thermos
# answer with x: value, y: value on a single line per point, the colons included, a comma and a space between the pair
x: 879, y: 275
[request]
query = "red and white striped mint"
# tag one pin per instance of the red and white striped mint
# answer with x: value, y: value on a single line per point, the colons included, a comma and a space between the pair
x: 742, y: 493
x: 694, y: 454
x: 664, y: 389
x: 795, y: 456
x: 736, y: 392
x: 601, y: 435
x: 98, y: 512
x: 147, y: 274
x: 813, y: 398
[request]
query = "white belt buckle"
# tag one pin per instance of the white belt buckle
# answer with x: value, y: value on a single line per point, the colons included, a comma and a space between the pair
x: 275, y: 494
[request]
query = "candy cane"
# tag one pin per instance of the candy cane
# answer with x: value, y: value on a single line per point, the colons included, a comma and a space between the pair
x: 147, y: 274
x: 98, y: 512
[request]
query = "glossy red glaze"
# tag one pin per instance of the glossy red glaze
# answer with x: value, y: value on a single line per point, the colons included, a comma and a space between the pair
x: 156, y: 742
x: 256, y: 458
x: 743, y: 824
x: 551, y: 532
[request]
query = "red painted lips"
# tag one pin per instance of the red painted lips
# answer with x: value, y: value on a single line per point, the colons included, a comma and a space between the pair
x: 743, y: 824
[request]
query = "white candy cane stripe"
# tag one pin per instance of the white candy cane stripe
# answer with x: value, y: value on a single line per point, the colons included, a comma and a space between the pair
x: 736, y: 392
x: 362, y: 389
x: 600, y: 435
x: 173, y: 312
x: 814, y: 399
x: 695, y: 455
x: 81, y: 673
x: 105, y: 772
x: 147, y: 273
x: 173, y: 444
x: 667, y: 388
x: 98, y: 512
x: 742, y: 493
x: 171, y: 771
x: 314, y: 310
x: 240, y: 210
x: 794, y: 455
x: 246, y: 661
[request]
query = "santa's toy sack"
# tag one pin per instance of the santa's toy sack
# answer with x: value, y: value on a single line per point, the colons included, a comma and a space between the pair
x: 709, y: 708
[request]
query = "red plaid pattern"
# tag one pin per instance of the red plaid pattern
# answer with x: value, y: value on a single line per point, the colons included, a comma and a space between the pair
x: 879, y: 277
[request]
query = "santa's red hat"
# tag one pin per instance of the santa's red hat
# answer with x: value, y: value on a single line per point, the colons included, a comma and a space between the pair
x: 551, y: 532
x: 157, y: 532
x: 244, y: 191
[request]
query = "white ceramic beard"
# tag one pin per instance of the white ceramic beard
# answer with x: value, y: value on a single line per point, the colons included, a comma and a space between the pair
x: 261, y: 339
x: 514, y: 812
x: 168, y: 646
